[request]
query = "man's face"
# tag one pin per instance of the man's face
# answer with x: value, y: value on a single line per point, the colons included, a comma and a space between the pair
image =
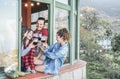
x: 40, y: 24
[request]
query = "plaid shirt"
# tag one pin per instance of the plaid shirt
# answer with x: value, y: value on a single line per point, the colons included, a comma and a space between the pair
x: 28, y: 60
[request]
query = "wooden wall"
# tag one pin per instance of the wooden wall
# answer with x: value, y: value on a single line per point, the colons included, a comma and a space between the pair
x: 26, y: 13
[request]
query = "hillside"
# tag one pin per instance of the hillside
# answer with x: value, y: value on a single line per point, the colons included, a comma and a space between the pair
x: 110, y: 9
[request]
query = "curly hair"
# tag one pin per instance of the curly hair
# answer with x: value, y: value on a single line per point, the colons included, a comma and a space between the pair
x: 64, y: 33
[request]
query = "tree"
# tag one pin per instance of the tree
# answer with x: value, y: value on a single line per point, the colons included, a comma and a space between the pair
x: 116, y: 43
x: 89, y: 18
x: 101, y: 64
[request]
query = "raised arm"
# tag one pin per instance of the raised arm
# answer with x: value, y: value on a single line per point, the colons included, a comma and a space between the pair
x: 56, y: 54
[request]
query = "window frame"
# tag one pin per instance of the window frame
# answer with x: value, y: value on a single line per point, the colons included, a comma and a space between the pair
x: 51, y: 10
x: 51, y: 15
x: 73, y: 12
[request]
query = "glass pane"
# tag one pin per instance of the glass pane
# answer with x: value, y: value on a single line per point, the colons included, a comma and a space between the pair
x: 61, y: 20
x: 33, y: 26
x: 34, y: 16
x: 8, y: 35
x: 63, y: 1
x: 44, y: 14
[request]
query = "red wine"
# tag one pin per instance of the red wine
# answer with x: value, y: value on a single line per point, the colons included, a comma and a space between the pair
x: 35, y: 43
x: 42, y: 40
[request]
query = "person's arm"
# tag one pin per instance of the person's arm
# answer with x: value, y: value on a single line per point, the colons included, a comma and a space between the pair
x: 56, y: 54
x: 25, y: 51
x: 39, y: 54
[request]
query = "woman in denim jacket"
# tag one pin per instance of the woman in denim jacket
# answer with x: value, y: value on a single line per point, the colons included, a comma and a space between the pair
x: 55, y: 54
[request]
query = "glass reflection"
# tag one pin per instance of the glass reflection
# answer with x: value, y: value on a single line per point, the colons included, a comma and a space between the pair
x: 61, y: 19
x: 8, y: 35
x: 63, y: 1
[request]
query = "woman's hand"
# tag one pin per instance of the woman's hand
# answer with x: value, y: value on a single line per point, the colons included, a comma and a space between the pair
x: 31, y: 45
x: 45, y: 45
x: 25, y: 34
x: 42, y: 49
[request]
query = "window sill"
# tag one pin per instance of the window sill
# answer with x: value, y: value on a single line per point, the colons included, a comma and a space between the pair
x: 64, y: 69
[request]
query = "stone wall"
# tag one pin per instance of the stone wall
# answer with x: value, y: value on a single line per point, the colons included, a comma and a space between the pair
x: 79, y: 73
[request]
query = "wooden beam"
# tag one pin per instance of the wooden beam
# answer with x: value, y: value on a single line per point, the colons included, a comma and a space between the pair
x: 26, y: 13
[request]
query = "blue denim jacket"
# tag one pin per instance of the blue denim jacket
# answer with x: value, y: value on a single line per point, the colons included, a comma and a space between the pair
x: 55, y: 56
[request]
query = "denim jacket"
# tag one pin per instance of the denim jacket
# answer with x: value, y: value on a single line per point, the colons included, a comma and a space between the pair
x: 55, y: 56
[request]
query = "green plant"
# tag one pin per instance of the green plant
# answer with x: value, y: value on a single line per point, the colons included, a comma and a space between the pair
x: 116, y: 43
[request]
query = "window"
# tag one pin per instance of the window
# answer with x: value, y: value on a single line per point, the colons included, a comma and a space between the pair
x: 61, y: 20
x: 34, y: 17
x: 63, y: 1
x: 8, y: 35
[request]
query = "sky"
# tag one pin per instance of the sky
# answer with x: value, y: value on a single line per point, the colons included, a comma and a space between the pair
x: 111, y: 7
x: 8, y: 24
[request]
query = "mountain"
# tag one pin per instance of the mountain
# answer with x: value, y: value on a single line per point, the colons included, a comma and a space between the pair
x: 109, y: 7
